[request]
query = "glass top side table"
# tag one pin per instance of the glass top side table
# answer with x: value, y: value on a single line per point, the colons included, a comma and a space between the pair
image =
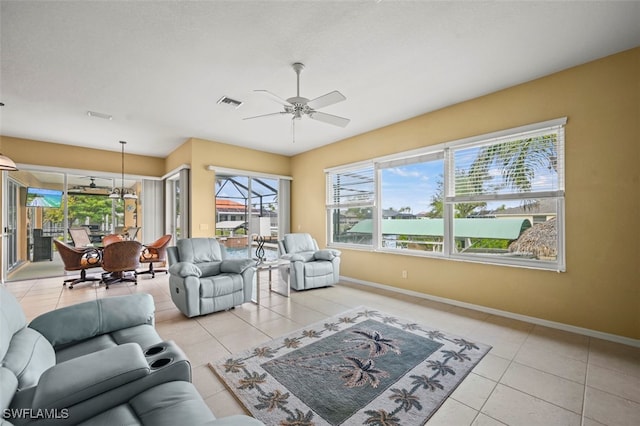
x: 281, y: 284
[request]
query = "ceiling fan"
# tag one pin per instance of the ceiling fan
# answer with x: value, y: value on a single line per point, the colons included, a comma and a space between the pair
x: 92, y: 187
x: 299, y: 106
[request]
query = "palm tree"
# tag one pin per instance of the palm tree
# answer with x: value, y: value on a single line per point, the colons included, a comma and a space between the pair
x: 518, y: 161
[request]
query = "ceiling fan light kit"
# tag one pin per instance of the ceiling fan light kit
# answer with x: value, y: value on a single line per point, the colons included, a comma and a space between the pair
x: 298, y: 106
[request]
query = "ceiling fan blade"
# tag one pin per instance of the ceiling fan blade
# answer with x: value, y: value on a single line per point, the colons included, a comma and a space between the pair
x: 273, y: 97
x: 265, y: 115
x: 330, y: 119
x: 326, y: 100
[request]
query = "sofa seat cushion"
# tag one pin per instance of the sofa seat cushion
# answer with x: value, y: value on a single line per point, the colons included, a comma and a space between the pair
x: 145, y: 335
x: 172, y: 403
x: 29, y: 355
x: 220, y: 285
x: 318, y: 268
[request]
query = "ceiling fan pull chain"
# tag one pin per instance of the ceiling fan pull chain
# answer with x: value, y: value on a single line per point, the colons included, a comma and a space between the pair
x: 293, y: 128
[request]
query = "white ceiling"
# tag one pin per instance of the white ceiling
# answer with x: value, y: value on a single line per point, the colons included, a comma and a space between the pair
x: 159, y: 67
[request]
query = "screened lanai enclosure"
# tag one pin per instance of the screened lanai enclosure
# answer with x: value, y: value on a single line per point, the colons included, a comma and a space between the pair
x: 247, y: 215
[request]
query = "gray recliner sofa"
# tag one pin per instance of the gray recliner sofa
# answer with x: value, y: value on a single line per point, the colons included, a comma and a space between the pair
x: 310, y: 266
x: 203, y: 280
x: 95, y: 363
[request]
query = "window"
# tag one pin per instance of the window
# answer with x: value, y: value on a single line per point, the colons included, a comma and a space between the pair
x: 350, y: 203
x: 252, y: 209
x: 411, y: 190
x: 496, y: 198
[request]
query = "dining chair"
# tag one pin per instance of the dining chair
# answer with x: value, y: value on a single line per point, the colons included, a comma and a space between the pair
x: 120, y: 261
x: 155, y: 252
x: 78, y: 259
x: 111, y: 238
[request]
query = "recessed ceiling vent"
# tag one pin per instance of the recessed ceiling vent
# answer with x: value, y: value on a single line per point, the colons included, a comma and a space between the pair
x: 99, y: 115
x: 228, y: 101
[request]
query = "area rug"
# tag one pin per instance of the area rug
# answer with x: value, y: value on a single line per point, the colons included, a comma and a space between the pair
x: 362, y: 367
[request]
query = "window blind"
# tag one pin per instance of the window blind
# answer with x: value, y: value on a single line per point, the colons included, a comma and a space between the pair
x: 530, y: 164
x: 351, y: 187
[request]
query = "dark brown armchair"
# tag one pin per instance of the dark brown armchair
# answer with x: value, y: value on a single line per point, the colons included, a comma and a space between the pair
x: 111, y: 238
x: 120, y: 261
x: 155, y: 252
x: 78, y: 259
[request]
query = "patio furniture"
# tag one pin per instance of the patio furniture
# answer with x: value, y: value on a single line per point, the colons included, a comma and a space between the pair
x: 42, y: 249
x: 310, y: 266
x: 78, y: 259
x: 80, y: 236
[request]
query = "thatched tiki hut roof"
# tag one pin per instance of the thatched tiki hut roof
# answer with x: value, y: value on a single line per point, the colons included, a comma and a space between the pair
x: 539, y: 241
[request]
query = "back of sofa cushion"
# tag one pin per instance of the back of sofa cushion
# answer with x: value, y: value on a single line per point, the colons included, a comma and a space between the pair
x: 295, y: 243
x: 81, y: 321
x: 199, y: 250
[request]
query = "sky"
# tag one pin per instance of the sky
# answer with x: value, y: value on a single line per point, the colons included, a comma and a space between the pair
x: 414, y: 185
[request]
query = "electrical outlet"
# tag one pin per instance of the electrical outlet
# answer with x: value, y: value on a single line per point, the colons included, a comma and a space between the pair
x: 404, y: 274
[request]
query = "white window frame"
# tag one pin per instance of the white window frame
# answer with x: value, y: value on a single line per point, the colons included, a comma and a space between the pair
x: 448, y: 149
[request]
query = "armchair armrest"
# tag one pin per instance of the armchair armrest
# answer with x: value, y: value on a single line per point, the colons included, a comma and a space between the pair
x: 89, y: 319
x: 185, y: 269
x: 85, y: 377
x: 235, y: 266
x: 326, y: 254
x: 306, y: 256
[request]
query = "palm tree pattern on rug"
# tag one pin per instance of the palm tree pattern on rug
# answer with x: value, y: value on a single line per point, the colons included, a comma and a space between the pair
x: 362, y: 368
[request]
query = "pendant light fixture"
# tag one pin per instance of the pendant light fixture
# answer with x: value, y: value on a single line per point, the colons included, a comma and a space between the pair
x: 122, y: 192
x: 7, y: 163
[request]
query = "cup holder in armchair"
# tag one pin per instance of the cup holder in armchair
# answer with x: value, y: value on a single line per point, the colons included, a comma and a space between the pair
x: 155, y: 350
x: 167, y: 362
x: 160, y: 362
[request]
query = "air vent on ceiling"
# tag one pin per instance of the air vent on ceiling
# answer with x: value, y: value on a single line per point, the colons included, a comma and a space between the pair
x: 99, y: 115
x: 228, y: 101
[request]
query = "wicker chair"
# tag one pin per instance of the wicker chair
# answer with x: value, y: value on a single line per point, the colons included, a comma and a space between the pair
x: 111, y: 238
x: 78, y: 259
x: 120, y: 261
x: 155, y: 252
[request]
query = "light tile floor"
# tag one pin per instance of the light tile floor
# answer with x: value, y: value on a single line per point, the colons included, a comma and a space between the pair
x: 533, y: 375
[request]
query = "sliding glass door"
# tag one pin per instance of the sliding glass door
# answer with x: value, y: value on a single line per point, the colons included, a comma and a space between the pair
x: 41, y: 205
x: 10, y: 231
x: 247, y: 214
x: 177, y: 205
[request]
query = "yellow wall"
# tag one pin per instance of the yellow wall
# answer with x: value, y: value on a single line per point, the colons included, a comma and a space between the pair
x: 28, y: 151
x: 200, y: 154
x: 601, y: 288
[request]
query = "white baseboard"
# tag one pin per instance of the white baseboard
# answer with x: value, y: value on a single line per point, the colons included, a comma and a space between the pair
x: 538, y: 321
